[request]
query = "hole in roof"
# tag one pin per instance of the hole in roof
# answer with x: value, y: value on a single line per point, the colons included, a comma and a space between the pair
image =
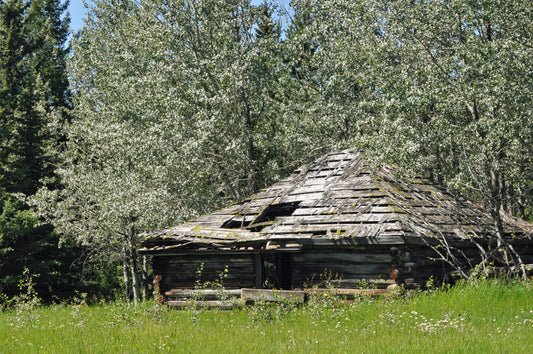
x: 235, y: 223
x: 267, y: 217
x: 271, y: 212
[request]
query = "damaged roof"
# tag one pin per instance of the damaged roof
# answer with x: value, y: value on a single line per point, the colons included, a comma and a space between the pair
x: 337, y: 199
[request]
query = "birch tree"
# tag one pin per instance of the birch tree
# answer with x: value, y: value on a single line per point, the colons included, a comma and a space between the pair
x: 469, y: 82
x: 452, y: 83
x: 465, y: 70
x: 330, y: 59
x: 172, y: 117
x: 441, y: 87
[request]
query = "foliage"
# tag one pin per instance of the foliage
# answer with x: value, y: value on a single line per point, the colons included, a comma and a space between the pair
x: 33, y: 87
x: 442, y: 88
x: 182, y: 106
x: 173, y: 115
x: 464, y: 98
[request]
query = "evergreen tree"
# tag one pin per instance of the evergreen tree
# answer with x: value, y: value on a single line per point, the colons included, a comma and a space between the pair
x: 33, y: 87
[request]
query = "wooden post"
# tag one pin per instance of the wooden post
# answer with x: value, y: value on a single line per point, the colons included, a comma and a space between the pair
x: 157, y: 292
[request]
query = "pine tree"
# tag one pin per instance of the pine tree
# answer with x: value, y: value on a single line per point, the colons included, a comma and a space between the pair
x: 33, y: 85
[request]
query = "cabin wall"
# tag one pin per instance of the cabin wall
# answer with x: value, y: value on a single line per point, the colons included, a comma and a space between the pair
x: 342, y: 268
x: 376, y: 266
x: 204, y: 271
x: 465, y: 254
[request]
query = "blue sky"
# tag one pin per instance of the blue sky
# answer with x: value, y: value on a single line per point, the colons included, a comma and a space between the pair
x: 77, y: 13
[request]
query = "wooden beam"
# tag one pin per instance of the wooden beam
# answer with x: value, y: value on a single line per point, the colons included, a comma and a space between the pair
x: 272, y: 295
x: 352, y: 241
x: 203, y: 294
x: 347, y: 292
x: 222, y: 304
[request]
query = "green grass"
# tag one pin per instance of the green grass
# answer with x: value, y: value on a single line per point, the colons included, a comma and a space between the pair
x: 486, y: 317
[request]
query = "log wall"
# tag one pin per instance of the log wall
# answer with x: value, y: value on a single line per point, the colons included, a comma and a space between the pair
x: 371, y: 266
x: 342, y: 268
x: 189, y: 272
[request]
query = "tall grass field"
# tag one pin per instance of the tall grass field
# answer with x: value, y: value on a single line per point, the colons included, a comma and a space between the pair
x: 481, y: 317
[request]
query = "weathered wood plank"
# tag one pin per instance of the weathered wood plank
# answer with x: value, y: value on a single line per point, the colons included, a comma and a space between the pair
x: 347, y: 209
x: 336, y: 219
x: 175, y: 281
x: 212, y: 259
x: 208, y: 232
x: 366, y: 282
x: 395, y: 239
x: 308, y: 189
x: 204, y: 294
x: 356, y: 202
x: 324, y: 174
x: 210, y: 267
x: 334, y: 188
x: 192, y: 284
x: 302, y: 197
x: 226, y: 304
x: 344, y: 292
x: 272, y: 295
x: 210, y: 273
x: 203, y: 252
x: 357, y: 282
x: 336, y: 229
x: 416, y: 240
x: 355, y: 181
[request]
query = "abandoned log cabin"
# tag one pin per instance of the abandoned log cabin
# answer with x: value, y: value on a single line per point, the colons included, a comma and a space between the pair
x: 335, y: 220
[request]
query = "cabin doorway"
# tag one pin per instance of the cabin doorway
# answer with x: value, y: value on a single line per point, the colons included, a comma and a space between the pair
x: 278, y: 270
x: 284, y: 270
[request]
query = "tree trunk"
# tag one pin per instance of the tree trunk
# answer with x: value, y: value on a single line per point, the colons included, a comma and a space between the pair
x: 133, y: 266
x: 130, y: 260
x: 144, y: 278
x: 496, y: 207
x: 250, y: 148
x: 135, y: 280
x: 126, y: 274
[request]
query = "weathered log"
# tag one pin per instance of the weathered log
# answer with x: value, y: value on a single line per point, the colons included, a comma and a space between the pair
x: 202, y: 294
x: 222, y: 304
x: 347, y: 293
x: 272, y: 295
x: 360, y: 282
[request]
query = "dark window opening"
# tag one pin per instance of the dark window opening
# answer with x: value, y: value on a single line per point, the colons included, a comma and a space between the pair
x: 270, y: 278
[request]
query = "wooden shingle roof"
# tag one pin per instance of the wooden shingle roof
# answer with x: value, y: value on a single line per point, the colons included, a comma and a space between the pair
x: 335, y: 200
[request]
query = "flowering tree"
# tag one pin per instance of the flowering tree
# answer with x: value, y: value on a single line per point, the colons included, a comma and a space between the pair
x: 172, y: 115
